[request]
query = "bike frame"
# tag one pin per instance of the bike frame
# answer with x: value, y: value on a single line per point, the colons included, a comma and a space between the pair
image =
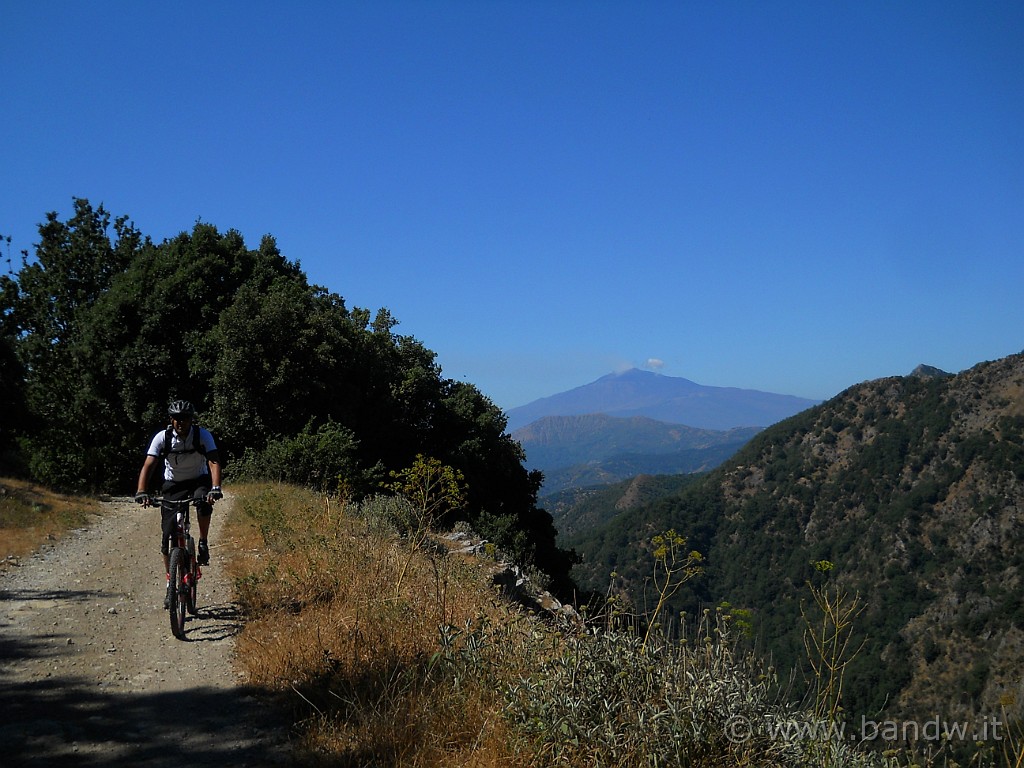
x: 182, y: 534
x: 184, y: 566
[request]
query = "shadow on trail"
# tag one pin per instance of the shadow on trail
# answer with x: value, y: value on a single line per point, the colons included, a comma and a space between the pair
x: 61, y: 722
x: 64, y: 595
x: 213, y: 623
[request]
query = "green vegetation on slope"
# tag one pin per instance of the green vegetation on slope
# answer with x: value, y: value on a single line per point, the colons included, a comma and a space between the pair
x: 912, y: 487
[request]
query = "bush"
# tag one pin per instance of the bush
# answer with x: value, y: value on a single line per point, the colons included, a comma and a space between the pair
x: 600, y: 697
x: 319, y: 459
x: 384, y: 514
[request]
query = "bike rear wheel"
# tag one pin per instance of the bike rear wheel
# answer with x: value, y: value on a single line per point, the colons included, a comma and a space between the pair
x: 179, y: 591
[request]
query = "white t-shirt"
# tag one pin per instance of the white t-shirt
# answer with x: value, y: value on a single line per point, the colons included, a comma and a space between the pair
x: 183, y: 462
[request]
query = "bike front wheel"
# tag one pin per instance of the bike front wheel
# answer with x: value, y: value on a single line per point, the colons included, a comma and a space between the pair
x: 179, y: 591
x: 193, y: 579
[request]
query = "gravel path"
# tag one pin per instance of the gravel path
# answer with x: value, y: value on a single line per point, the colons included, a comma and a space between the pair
x: 90, y: 674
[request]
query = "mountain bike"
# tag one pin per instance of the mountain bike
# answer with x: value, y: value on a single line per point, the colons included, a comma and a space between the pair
x: 184, y: 571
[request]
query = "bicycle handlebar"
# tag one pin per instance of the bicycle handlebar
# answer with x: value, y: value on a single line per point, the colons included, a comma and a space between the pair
x: 158, y: 500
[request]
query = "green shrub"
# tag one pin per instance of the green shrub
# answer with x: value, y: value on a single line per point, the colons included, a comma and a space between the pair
x: 601, y: 697
x: 319, y: 459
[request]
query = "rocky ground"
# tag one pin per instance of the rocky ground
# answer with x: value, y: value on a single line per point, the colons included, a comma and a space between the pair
x: 90, y: 674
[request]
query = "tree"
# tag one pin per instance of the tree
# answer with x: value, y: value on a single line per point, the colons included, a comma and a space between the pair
x: 75, y: 264
x: 286, y: 355
x: 108, y: 327
x: 12, y: 379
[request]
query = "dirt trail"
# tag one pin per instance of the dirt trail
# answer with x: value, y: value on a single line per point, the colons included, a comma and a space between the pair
x: 90, y: 674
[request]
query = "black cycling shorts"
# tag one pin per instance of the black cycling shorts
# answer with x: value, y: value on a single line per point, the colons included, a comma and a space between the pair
x: 176, y: 490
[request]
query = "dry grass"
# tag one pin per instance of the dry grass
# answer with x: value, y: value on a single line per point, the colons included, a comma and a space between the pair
x: 358, y: 660
x: 31, y: 515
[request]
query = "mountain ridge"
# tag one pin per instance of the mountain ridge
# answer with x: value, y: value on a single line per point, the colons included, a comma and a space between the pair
x: 669, y: 399
x: 913, y: 486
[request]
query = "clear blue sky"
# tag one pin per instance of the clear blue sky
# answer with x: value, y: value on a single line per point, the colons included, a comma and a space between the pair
x: 785, y: 196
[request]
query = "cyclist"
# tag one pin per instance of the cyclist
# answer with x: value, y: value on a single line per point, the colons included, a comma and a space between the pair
x: 191, y: 471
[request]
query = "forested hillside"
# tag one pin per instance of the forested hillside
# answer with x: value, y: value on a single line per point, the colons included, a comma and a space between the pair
x: 101, y: 327
x: 579, y: 510
x: 914, y: 488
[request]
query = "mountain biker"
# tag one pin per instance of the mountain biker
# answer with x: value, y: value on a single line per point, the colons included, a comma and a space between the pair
x: 191, y: 471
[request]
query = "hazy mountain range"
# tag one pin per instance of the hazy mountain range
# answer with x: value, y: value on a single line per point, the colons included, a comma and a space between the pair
x: 664, y: 398
x: 638, y: 422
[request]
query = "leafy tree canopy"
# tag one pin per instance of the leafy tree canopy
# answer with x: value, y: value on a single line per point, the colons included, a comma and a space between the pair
x: 104, y: 327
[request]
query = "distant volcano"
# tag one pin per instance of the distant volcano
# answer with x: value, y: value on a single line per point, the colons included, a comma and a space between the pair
x: 664, y: 398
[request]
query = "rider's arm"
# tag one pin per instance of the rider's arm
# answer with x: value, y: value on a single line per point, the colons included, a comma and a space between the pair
x: 213, y: 461
x: 147, y: 470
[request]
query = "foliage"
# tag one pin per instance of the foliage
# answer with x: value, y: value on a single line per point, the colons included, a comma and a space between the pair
x: 47, y: 315
x: 913, y: 486
x: 431, y: 488
x: 322, y: 458
x: 106, y: 327
x: 607, y: 698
